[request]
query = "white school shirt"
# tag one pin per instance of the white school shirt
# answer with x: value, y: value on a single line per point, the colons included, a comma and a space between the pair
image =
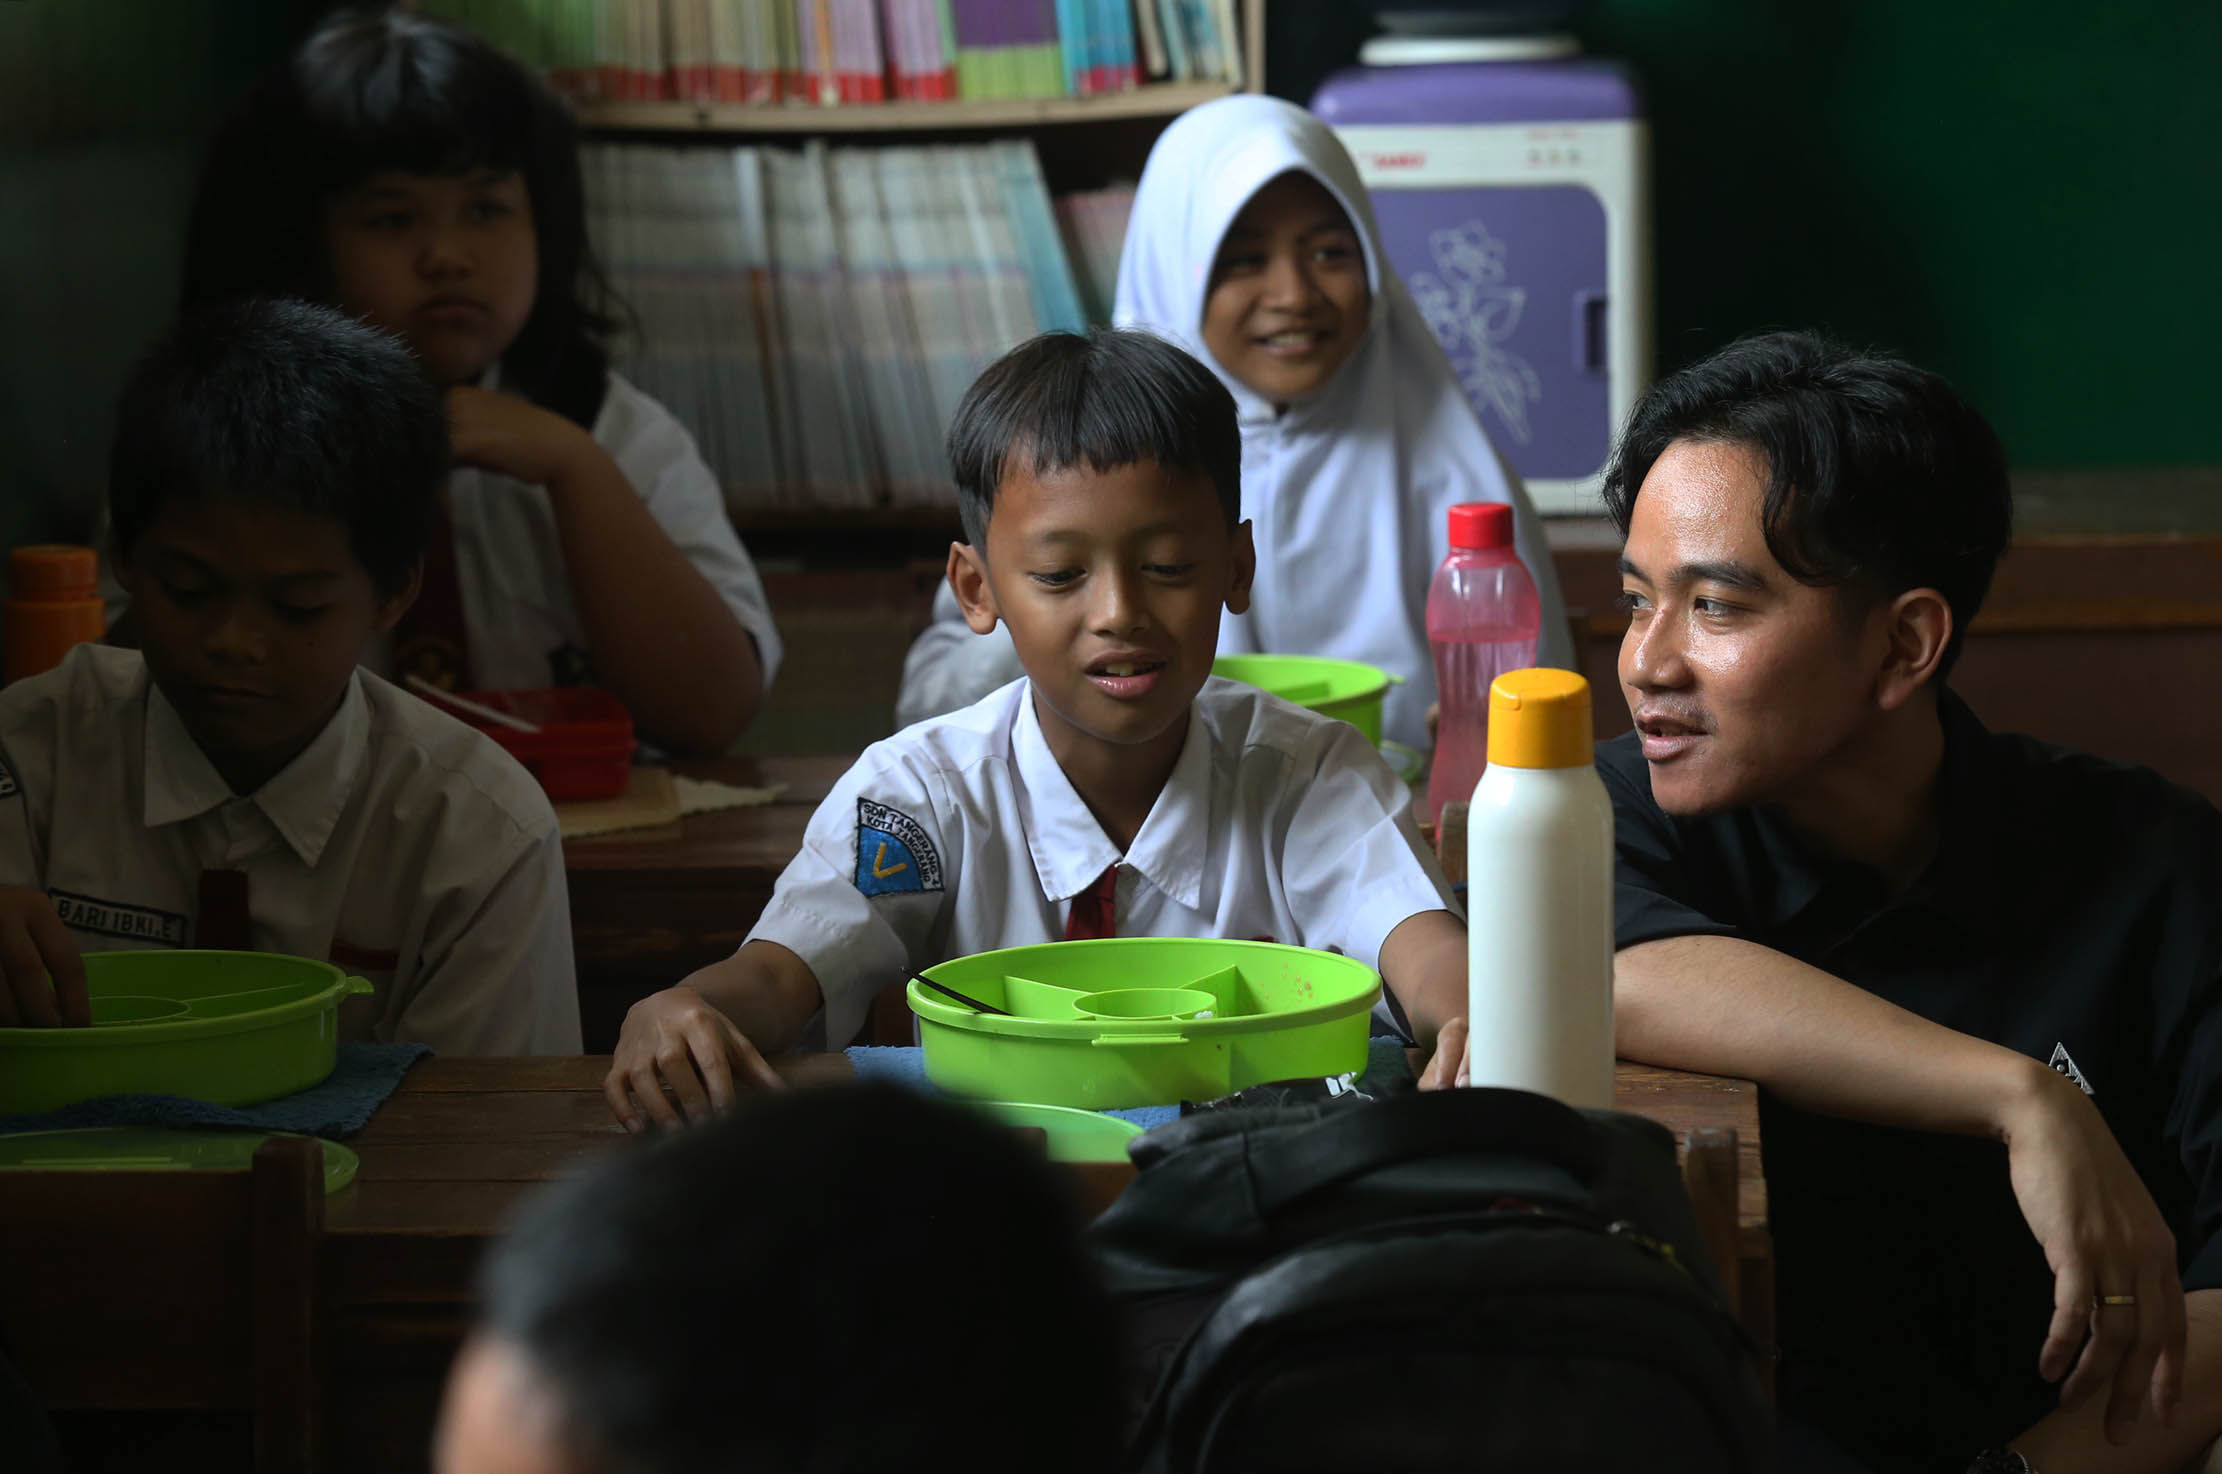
x: 962, y: 835
x: 400, y: 845
x: 519, y: 615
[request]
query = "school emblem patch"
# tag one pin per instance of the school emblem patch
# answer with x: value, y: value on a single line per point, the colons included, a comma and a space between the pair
x: 893, y: 853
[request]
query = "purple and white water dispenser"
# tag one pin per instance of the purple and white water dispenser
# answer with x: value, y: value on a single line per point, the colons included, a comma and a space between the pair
x: 1511, y: 177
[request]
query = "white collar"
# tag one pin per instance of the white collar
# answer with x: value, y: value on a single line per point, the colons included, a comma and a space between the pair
x: 303, y: 801
x: 1070, y: 848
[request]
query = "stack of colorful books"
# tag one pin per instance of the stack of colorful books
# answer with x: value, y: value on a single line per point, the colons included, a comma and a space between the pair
x: 832, y: 52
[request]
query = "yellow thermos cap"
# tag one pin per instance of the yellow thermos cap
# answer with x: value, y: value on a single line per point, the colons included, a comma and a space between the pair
x: 1540, y: 719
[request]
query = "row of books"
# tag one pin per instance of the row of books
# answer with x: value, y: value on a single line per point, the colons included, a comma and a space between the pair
x: 858, y: 51
x: 813, y: 315
x: 1093, y: 223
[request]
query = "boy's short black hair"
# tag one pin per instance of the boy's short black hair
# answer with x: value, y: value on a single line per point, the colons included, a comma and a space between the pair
x: 1106, y: 399
x: 1880, y: 476
x: 285, y: 404
x: 849, y: 1278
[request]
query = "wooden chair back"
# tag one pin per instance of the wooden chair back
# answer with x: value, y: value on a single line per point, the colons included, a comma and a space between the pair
x: 173, y: 1290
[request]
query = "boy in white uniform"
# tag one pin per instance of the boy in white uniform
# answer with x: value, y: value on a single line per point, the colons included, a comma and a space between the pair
x: 1117, y: 789
x: 238, y: 781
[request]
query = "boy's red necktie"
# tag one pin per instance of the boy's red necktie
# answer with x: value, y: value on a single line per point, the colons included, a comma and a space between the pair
x: 224, y: 920
x: 1093, y: 909
x: 430, y: 641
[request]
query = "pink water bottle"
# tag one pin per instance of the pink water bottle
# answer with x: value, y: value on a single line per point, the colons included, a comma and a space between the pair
x: 1482, y: 618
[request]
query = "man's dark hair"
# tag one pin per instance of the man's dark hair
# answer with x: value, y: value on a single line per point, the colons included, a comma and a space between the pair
x: 284, y: 404
x: 1102, y: 400
x: 380, y: 87
x: 1880, y: 477
x: 844, y: 1280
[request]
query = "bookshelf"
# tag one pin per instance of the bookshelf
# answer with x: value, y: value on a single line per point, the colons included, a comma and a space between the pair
x: 1081, y: 144
x: 1159, y: 100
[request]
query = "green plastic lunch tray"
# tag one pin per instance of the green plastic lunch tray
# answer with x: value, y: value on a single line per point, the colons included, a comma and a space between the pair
x: 1343, y: 689
x: 230, y: 1028
x: 1138, y: 1021
x: 155, y: 1149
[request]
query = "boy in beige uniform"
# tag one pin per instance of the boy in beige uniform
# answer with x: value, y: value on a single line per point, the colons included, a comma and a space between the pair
x: 241, y: 782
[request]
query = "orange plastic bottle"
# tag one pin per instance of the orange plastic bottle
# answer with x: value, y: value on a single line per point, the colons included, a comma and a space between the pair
x: 53, y: 603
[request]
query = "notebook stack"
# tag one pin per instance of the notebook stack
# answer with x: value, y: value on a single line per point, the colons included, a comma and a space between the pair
x: 1093, y: 224
x: 814, y: 314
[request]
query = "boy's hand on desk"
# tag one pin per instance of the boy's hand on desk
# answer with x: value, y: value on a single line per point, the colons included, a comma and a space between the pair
x: 42, y: 979
x: 676, y: 1045
x: 513, y: 436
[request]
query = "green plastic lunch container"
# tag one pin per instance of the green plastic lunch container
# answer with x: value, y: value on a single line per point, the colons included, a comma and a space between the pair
x: 1343, y: 689
x: 1139, y: 1021
x: 230, y: 1028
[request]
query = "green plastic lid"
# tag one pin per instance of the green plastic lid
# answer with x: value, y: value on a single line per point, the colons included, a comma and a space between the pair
x: 1137, y: 1021
x: 1307, y: 680
x: 154, y: 1149
x: 1344, y: 689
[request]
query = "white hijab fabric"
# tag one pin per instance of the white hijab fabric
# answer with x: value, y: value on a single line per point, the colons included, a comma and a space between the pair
x: 1348, y: 492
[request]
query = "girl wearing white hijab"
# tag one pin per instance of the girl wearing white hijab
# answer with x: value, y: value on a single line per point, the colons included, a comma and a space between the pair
x: 1253, y: 245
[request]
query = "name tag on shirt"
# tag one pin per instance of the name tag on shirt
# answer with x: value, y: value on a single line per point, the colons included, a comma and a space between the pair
x: 116, y: 919
x: 893, y: 853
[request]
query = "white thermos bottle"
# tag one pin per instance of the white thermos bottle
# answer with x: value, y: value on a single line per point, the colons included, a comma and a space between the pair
x: 1539, y: 869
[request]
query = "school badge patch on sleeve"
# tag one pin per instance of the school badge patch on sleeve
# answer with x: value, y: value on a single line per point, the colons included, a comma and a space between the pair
x: 893, y: 852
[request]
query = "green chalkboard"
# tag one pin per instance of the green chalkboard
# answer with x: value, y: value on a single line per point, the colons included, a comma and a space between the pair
x: 2025, y: 195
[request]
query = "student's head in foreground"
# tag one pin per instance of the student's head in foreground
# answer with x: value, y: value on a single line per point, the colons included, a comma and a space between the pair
x: 1808, y: 529
x: 274, y: 470
x: 841, y: 1280
x: 1100, y: 483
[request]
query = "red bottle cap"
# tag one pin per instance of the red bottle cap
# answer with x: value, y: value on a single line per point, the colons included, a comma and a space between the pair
x: 1481, y: 525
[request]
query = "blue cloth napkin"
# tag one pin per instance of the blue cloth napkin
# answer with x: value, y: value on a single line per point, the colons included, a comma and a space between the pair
x: 340, y: 1106
x: 1385, y: 1063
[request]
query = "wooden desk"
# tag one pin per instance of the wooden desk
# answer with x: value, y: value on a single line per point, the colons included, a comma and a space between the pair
x: 463, y: 1140
x: 648, y: 906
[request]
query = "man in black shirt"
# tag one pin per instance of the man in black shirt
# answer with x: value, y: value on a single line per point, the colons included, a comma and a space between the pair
x: 1834, y: 881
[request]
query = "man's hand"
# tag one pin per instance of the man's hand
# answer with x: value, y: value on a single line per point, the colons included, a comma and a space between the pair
x: 1447, y: 1068
x: 676, y: 1045
x: 1423, y: 963
x: 42, y: 979
x: 2103, y: 1236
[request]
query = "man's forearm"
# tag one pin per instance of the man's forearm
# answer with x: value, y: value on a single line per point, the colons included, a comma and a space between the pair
x: 2073, y: 1441
x: 1730, y: 1007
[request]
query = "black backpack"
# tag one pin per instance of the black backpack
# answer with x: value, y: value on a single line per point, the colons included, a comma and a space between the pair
x: 1468, y: 1280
